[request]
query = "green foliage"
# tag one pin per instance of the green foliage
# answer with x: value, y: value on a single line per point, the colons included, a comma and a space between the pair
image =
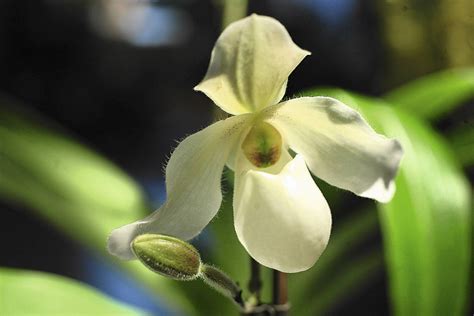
x: 434, y: 95
x: 353, y: 276
x: 36, y: 293
x: 462, y: 141
x: 427, y: 226
x: 82, y: 194
x: 73, y: 187
x: 319, y: 282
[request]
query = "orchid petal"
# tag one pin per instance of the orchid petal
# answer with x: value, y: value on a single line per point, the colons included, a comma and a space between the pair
x: 282, y: 220
x: 250, y: 65
x: 193, y: 184
x: 338, y: 145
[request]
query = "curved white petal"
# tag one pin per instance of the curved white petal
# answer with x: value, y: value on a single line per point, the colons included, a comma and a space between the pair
x: 282, y: 220
x: 193, y: 185
x: 339, y: 146
x: 250, y: 64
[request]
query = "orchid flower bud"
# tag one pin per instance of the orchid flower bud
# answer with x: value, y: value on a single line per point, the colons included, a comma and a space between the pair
x: 168, y: 256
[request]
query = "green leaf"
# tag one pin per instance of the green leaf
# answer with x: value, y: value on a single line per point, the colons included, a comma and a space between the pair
x: 462, y: 142
x: 427, y: 226
x: 25, y: 292
x: 436, y: 94
x: 78, y: 191
x: 353, y: 276
x: 316, y: 292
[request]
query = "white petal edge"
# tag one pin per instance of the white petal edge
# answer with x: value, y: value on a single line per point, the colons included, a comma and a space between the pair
x: 193, y: 185
x: 339, y: 146
x: 250, y: 64
x: 282, y: 220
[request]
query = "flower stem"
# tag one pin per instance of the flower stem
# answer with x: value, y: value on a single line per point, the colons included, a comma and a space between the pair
x: 280, y: 293
x: 255, y: 282
x: 222, y: 283
x: 233, y: 10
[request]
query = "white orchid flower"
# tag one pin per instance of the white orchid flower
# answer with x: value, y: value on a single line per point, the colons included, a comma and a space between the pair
x: 280, y: 215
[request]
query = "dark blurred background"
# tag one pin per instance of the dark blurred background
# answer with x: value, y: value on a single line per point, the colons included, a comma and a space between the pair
x: 118, y: 75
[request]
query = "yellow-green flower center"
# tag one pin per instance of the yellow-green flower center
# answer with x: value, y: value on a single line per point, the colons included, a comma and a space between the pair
x: 262, y: 145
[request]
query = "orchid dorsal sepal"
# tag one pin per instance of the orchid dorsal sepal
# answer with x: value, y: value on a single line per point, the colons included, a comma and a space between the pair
x: 250, y: 65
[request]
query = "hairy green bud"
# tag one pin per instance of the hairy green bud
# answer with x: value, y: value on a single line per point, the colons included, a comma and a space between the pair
x: 168, y: 256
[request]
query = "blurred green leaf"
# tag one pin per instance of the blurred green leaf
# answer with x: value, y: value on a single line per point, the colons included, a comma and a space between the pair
x: 82, y: 194
x: 435, y: 94
x: 316, y: 289
x: 462, y: 142
x: 39, y: 167
x: 25, y: 292
x: 427, y: 226
x: 352, y: 277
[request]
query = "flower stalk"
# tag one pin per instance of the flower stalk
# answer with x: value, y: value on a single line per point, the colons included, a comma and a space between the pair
x: 255, y: 282
x: 222, y: 283
x: 232, y: 11
x: 280, y: 293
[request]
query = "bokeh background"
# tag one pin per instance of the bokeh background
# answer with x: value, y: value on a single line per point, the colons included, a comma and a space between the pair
x: 117, y: 77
